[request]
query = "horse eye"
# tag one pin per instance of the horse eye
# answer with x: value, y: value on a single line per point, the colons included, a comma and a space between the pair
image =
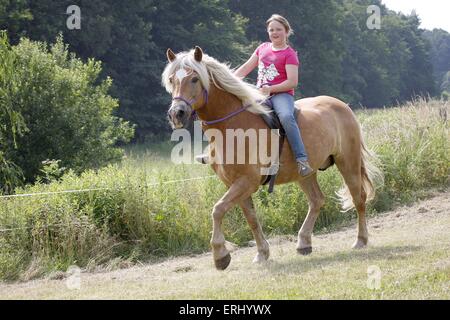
x: 194, y: 80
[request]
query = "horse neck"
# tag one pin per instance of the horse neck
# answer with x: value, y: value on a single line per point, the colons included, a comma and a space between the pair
x: 220, y: 104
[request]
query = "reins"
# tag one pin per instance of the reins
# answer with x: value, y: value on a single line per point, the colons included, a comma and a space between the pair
x: 192, y: 102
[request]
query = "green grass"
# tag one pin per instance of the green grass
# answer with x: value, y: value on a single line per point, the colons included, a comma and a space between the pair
x: 139, y: 217
x: 412, y: 258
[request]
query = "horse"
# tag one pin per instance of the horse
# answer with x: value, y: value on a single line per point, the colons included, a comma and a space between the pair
x: 331, y: 133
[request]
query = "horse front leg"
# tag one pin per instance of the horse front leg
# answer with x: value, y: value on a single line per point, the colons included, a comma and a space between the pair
x: 239, y: 190
x: 316, y: 200
x: 261, y: 243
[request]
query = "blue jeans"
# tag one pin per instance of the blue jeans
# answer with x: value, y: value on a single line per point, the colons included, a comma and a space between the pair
x: 283, y: 105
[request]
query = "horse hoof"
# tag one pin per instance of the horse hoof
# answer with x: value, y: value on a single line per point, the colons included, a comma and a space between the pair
x: 359, y: 245
x: 261, y: 257
x: 304, y: 251
x: 222, y: 263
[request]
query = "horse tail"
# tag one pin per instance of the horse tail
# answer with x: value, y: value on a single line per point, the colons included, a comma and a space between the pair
x: 371, y: 174
x: 371, y: 178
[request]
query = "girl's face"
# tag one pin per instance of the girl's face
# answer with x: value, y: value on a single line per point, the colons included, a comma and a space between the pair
x: 277, y: 33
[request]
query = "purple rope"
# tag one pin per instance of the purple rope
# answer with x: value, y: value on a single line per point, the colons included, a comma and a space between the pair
x: 227, y: 116
x: 205, y: 97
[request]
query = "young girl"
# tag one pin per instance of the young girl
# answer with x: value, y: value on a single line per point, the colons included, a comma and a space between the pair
x: 278, y: 76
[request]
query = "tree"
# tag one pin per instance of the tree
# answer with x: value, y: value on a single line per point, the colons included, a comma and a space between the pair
x: 65, y: 108
x: 440, y: 54
x: 385, y: 66
x: 12, y: 124
x: 418, y: 77
x: 367, y: 79
x: 339, y: 55
x: 315, y: 25
x: 131, y: 38
x: 445, y: 85
x: 13, y: 16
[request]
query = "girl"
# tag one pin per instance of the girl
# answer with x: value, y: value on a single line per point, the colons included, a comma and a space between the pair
x: 278, y: 76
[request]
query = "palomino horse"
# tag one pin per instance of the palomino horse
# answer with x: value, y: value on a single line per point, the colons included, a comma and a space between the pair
x: 330, y: 133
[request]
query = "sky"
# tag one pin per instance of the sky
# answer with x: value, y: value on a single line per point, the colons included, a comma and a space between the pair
x: 433, y: 13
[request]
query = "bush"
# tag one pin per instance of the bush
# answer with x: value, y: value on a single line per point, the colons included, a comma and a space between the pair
x: 65, y: 108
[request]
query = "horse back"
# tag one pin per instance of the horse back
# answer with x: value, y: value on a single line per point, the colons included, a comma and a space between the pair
x: 326, y: 125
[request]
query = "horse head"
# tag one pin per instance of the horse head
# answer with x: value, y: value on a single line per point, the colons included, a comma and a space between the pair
x: 184, y: 78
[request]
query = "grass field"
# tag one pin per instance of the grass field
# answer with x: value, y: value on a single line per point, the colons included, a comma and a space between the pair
x: 408, y: 258
x: 137, y: 217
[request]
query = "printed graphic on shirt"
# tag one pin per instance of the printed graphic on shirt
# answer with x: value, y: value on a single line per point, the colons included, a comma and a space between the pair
x: 266, y: 74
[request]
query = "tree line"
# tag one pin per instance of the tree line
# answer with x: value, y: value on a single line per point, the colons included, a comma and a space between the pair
x: 75, y: 95
x: 440, y: 58
x: 340, y: 55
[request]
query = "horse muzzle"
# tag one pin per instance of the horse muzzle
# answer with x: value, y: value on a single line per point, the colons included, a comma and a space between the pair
x: 179, y: 116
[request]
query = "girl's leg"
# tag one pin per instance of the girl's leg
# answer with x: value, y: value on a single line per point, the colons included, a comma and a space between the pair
x: 283, y: 104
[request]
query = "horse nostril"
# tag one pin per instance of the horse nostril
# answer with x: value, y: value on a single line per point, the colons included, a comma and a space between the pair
x: 180, y: 114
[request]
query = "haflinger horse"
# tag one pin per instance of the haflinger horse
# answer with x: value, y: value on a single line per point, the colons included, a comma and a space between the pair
x: 331, y: 134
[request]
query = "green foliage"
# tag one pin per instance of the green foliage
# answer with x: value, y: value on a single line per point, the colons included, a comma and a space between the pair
x: 446, y: 95
x: 51, y: 171
x: 440, y: 55
x: 131, y: 38
x: 412, y: 143
x: 11, y: 121
x: 342, y: 57
x: 10, y: 175
x: 14, y: 14
x: 314, y: 24
x: 135, y: 210
x: 65, y: 109
x: 445, y: 85
x: 339, y: 55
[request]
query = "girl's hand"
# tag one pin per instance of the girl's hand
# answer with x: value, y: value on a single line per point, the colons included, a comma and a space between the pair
x: 265, y: 90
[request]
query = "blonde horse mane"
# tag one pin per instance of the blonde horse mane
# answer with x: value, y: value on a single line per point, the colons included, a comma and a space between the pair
x: 220, y: 75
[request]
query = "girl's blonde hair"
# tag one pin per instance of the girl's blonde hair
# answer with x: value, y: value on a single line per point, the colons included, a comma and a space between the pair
x: 283, y: 21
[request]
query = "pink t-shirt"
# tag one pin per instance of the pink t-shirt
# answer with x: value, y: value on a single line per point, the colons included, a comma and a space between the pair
x: 272, y: 64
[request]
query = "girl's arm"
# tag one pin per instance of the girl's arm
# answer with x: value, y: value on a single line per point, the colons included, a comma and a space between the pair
x: 247, y: 67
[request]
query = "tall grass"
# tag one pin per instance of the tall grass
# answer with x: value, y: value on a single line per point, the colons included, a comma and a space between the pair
x: 135, y: 215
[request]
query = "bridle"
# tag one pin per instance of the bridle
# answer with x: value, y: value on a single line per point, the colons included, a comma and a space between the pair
x: 192, y: 102
x: 194, y: 115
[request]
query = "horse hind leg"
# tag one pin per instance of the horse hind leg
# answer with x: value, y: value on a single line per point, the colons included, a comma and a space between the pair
x: 363, y: 235
x: 352, y: 172
x: 316, y: 200
x: 261, y: 243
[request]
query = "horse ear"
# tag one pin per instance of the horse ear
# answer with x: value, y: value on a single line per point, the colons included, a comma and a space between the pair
x: 198, y: 54
x: 170, y: 55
